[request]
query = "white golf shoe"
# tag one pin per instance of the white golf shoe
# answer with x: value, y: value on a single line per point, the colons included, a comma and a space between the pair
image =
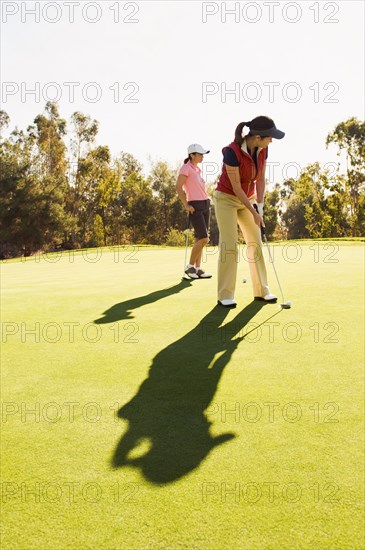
x: 191, y: 272
x: 202, y: 274
x: 227, y: 303
x: 270, y: 298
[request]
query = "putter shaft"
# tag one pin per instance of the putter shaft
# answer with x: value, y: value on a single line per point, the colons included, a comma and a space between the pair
x: 272, y: 261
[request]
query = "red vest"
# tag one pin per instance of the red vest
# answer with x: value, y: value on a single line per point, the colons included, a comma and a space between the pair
x: 247, y: 168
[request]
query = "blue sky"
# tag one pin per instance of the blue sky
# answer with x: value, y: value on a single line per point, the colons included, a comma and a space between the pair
x: 163, y: 72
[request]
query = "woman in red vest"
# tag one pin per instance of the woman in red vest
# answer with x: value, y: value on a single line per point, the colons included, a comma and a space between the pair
x: 241, y: 185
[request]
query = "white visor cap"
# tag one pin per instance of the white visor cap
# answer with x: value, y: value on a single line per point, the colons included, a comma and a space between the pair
x: 196, y: 148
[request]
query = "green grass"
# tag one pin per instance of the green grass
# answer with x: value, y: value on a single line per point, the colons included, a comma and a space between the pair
x: 191, y: 426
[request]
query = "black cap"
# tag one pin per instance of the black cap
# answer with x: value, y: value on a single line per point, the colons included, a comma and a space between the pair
x: 265, y: 127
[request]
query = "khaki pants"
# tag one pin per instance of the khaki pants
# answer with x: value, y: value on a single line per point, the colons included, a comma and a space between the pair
x: 229, y: 211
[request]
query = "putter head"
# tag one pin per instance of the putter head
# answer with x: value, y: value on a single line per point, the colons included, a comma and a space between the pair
x: 287, y: 305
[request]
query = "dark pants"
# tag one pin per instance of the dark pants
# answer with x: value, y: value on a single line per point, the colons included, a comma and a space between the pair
x: 200, y: 218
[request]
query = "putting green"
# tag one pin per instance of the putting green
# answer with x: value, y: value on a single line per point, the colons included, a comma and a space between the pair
x: 138, y: 415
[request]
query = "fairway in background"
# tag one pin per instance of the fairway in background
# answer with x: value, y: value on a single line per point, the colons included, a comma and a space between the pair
x: 137, y: 414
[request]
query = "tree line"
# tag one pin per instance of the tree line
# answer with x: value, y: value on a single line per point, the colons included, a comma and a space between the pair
x: 56, y: 196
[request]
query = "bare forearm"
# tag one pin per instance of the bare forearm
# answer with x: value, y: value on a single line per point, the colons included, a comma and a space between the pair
x: 182, y: 196
x: 260, y: 190
x: 260, y: 186
x: 180, y: 190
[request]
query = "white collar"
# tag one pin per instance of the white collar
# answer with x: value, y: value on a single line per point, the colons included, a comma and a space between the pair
x: 244, y: 148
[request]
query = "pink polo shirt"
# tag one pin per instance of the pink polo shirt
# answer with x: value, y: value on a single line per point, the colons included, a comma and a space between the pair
x: 194, y: 185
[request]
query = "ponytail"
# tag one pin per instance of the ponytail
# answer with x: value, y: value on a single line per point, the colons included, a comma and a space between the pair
x: 187, y: 159
x: 238, y: 133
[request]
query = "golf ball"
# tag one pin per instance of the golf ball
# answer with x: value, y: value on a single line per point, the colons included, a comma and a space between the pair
x: 244, y: 280
x: 288, y: 303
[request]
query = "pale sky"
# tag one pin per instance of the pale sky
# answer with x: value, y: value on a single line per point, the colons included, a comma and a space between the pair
x: 174, y: 63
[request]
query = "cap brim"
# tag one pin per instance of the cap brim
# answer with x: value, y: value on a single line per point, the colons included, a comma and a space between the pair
x: 272, y: 132
x: 278, y: 134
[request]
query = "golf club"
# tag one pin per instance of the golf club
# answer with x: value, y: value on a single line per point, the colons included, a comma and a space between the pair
x: 185, y: 277
x: 283, y: 305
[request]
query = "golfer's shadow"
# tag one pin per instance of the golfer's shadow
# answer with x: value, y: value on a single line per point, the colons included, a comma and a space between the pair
x: 123, y: 310
x: 168, y: 433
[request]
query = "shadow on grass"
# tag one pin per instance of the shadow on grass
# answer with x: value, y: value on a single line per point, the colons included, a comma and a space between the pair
x: 123, y: 310
x: 169, y: 433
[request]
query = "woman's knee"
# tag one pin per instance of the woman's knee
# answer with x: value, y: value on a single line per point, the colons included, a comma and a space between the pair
x: 202, y: 241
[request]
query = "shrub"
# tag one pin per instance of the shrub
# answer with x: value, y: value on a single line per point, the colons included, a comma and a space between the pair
x: 178, y: 238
